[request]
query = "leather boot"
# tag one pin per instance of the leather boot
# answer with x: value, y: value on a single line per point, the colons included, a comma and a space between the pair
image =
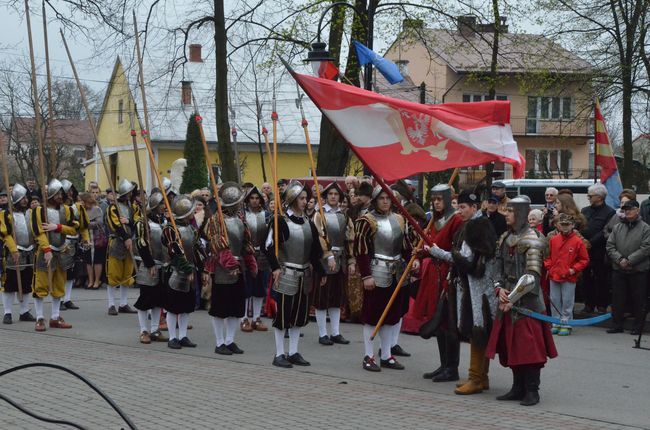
x: 518, y: 389
x: 485, y: 380
x: 532, y: 388
x: 441, y: 338
x: 473, y: 385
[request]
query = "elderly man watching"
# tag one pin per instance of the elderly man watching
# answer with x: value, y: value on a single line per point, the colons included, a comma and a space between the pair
x: 351, y: 182
x: 550, y: 197
x: 628, y: 248
x: 596, y: 276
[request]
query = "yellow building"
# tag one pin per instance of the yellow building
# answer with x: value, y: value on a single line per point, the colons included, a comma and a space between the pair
x: 169, y: 124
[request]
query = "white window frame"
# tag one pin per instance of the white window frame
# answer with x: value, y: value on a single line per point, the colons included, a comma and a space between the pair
x: 538, y: 167
x: 484, y: 97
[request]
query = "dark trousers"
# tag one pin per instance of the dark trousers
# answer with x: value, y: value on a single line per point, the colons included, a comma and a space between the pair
x: 596, y: 285
x: 449, y: 349
x: 634, y: 284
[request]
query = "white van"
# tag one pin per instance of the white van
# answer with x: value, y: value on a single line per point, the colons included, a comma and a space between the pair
x: 534, y: 188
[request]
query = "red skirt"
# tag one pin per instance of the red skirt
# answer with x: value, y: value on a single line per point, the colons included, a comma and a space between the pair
x: 527, y: 341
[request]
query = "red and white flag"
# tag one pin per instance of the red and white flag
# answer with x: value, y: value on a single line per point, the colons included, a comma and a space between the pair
x: 397, y: 138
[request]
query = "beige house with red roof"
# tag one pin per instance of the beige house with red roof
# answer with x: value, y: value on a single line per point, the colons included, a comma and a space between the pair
x: 548, y: 86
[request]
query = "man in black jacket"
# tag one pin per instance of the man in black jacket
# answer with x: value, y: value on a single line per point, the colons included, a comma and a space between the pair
x: 596, y: 277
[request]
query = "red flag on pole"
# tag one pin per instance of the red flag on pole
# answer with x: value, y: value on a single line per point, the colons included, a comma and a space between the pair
x: 397, y: 138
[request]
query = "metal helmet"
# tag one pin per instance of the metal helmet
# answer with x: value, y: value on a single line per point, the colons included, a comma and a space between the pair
x: 231, y: 194
x: 520, y: 206
x: 444, y: 191
x: 155, y: 199
x: 167, y: 184
x: 332, y: 186
x: 292, y: 192
x: 53, y: 187
x: 253, y: 190
x: 67, y: 185
x: 183, y: 207
x: 125, y: 187
x: 376, y: 192
x: 18, y: 192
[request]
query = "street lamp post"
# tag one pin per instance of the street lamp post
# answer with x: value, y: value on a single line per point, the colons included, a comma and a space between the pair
x: 319, y: 55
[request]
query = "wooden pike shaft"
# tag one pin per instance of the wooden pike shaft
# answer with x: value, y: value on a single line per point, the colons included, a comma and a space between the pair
x: 278, y: 198
x: 407, y: 270
x: 145, y: 134
x: 50, y: 106
x: 39, y: 131
x: 143, y: 194
x: 10, y: 208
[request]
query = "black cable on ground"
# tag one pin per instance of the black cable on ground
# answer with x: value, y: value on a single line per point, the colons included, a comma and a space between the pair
x: 117, y: 409
x: 39, y: 417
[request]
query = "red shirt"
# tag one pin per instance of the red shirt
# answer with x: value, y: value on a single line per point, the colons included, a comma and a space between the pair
x: 566, y: 252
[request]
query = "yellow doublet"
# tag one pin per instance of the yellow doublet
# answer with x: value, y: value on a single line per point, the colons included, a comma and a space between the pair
x: 40, y: 283
x: 119, y: 270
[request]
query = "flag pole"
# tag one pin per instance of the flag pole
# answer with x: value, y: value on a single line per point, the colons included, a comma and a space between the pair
x: 278, y: 198
x: 147, y: 137
x: 10, y: 209
x: 39, y: 135
x: 305, y: 126
x: 407, y: 271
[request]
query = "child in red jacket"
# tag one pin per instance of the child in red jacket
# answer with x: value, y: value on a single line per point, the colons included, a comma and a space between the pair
x: 568, y: 257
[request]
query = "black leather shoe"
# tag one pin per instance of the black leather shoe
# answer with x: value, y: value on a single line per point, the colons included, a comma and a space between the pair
x: 27, y: 316
x: 397, y: 350
x: 430, y: 375
x: 234, y: 348
x: 281, y: 361
x: 615, y: 330
x: 339, y: 339
x: 298, y: 360
x: 62, y: 307
x: 446, y: 375
x: 325, y: 340
x: 126, y: 309
x: 187, y: 342
x: 391, y: 363
x: 222, y: 350
x: 7, y: 319
x: 174, y: 344
x: 530, y: 398
x: 70, y: 305
x: 370, y: 365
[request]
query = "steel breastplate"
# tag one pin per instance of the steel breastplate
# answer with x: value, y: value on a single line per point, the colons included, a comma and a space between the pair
x: 188, y: 238
x: 56, y: 216
x: 24, y: 239
x: 440, y: 223
x: 235, y: 229
x: 388, y: 237
x: 296, y: 249
x: 335, y: 224
x: 155, y: 242
x: 256, y: 222
x: 125, y: 211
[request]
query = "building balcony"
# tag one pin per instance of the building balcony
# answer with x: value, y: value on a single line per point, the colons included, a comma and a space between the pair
x: 575, y: 127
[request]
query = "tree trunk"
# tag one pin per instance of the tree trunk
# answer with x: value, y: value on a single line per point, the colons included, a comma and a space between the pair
x: 494, y: 75
x: 627, y: 173
x: 226, y: 155
x: 333, y: 152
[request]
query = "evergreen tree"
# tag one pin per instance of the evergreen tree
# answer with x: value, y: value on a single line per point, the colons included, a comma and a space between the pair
x: 195, y: 175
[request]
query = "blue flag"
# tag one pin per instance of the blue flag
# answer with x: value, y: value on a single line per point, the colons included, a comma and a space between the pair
x: 385, y: 67
x: 614, y: 188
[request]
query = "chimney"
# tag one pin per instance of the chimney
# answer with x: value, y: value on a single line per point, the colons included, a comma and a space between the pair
x: 403, y: 67
x: 195, y: 53
x: 186, y: 92
x: 466, y: 25
x: 412, y: 24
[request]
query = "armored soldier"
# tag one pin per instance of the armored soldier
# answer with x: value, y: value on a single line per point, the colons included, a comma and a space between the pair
x: 299, y: 254
x: 523, y: 343
x: 227, y: 269
x: 49, y: 265
x: 473, y: 270
x: 120, y: 267
x: 18, y: 254
x: 256, y: 287
x: 184, y: 250
x: 153, y: 260
x: 74, y: 243
x: 380, y: 247
x: 169, y: 189
x: 432, y: 301
x: 339, y: 232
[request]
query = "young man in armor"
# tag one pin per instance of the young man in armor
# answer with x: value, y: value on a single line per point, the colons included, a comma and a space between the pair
x: 299, y: 254
x: 523, y: 343
x: 18, y: 254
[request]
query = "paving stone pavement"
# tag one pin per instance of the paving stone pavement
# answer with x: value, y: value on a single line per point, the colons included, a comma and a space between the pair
x: 599, y: 382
